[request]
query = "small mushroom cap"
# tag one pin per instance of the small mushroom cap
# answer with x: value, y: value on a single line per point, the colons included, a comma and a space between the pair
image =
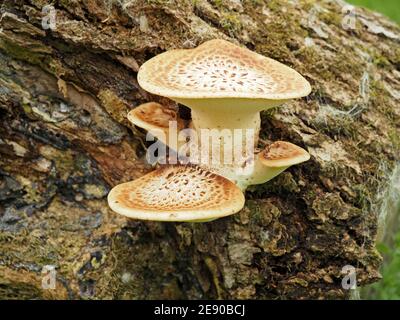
x: 283, y: 154
x: 153, y: 115
x: 177, y: 193
x: 220, y: 69
x: 155, y: 118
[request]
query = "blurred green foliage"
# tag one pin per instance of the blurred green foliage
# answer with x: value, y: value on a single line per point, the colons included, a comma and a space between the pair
x: 389, y: 287
x: 391, y: 8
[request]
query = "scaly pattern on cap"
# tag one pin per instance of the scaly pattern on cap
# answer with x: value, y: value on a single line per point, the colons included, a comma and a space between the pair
x: 177, y: 193
x: 153, y: 115
x: 283, y: 154
x: 220, y: 69
x: 155, y: 118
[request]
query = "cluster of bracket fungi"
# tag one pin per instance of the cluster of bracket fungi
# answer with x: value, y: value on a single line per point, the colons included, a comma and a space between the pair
x: 226, y: 87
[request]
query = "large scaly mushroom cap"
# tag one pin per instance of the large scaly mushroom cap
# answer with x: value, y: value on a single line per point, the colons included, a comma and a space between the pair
x: 177, y: 193
x: 220, y: 69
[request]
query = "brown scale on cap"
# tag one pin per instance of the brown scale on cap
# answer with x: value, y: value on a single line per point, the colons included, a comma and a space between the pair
x: 155, y: 118
x: 177, y: 193
x: 155, y: 115
x: 281, y: 154
x: 220, y: 69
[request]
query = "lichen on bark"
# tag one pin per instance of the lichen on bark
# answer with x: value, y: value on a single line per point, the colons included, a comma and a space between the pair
x: 65, y: 141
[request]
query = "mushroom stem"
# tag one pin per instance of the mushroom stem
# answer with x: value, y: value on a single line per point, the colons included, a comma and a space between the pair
x: 276, y: 158
x: 228, y: 136
x: 262, y: 174
x: 234, y: 126
x: 255, y: 173
x: 227, y: 113
x: 232, y: 122
x: 226, y: 118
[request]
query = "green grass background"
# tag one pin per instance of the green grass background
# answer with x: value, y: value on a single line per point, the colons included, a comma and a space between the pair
x: 389, y: 287
x: 391, y: 8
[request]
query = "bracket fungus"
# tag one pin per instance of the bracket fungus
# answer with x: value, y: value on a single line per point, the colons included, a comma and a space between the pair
x: 226, y: 87
x: 156, y: 119
x: 276, y: 158
x: 177, y: 193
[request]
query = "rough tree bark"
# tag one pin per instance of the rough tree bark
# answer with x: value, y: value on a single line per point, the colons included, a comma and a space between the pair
x: 65, y: 141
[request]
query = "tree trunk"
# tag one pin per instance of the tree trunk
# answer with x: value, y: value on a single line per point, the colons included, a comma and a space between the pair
x: 66, y: 85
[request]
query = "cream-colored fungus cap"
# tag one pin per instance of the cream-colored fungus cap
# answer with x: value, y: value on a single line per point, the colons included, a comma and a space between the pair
x: 225, y: 85
x: 177, y: 193
x: 273, y: 160
x: 283, y: 154
x: 155, y: 118
x: 220, y: 69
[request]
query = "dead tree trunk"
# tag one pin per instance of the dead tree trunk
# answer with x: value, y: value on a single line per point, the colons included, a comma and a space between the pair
x: 67, y: 80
